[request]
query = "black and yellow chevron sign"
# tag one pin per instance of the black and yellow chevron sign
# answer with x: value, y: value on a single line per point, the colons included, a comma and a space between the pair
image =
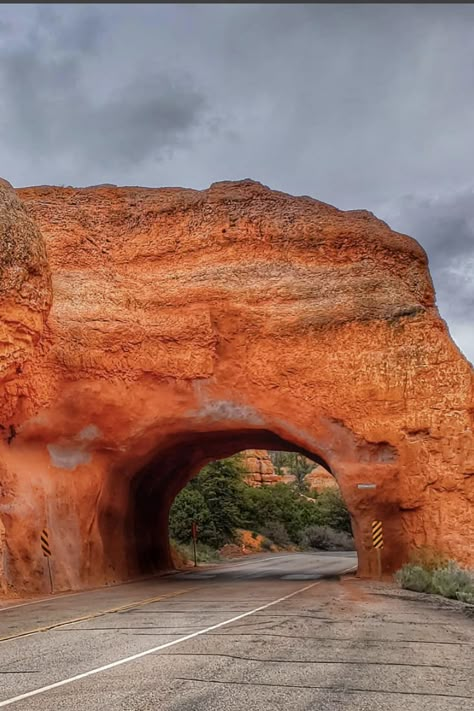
x: 45, y: 543
x: 377, y: 534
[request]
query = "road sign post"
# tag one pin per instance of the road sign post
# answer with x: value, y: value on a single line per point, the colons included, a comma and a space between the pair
x: 45, y: 547
x: 194, y: 533
x: 377, y: 542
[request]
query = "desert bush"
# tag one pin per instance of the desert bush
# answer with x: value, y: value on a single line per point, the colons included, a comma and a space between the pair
x: 276, y: 532
x: 267, y: 544
x: 464, y: 596
x: 439, y: 576
x: 451, y: 580
x: 326, y: 538
x: 414, y: 577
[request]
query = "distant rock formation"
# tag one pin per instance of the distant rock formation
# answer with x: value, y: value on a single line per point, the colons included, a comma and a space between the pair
x: 260, y: 468
x: 319, y: 480
x: 261, y: 472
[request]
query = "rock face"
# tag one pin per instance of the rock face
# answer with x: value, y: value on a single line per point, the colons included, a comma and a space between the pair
x: 320, y: 480
x: 261, y: 472
x: 189, y: 325
x: 260, y: 469
x: 25, y: 284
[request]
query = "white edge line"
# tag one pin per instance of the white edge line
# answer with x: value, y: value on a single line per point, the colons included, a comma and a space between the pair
x: 139, y: 655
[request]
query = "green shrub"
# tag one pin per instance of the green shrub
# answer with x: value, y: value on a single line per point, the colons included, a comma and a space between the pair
x: 219, y: 501
x: 190, y: 506
x: 263, y: 506
x: 326, y: 538
x: 414, y: 577
x: 276, y: 532
x: 464, y: 596
x: 438, y: 576
x: 204, y: 554
x: 213, y: 499
x: 295, y: 464
x: 451, y: 580
x: 333, y: 511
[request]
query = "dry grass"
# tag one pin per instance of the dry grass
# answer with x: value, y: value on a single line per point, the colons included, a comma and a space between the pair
x: 433, y: 573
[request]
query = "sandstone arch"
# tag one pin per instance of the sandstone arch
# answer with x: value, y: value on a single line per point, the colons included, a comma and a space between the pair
x: 186, y: 324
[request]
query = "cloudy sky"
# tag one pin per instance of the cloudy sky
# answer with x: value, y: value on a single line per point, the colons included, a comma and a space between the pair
x: 362, y: 106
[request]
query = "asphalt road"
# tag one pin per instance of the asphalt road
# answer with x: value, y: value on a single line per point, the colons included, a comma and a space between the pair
x: 272, y: 632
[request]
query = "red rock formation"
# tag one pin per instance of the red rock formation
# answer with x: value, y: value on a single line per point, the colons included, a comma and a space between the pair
x: 286, y: 476
x: 25, y: 284
x: 260, y: 469
x: 189, y: 325
x: 319, y: 479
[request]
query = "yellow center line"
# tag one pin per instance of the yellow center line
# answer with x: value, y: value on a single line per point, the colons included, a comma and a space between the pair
x: 94, y: 615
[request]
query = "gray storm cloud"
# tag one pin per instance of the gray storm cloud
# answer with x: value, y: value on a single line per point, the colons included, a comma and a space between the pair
x: 357, y: 105
x: 54, y: 115
x: 445, y: 227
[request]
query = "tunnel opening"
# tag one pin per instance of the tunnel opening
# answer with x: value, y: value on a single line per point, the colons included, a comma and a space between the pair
x: 154, y: 487
x: 259, y: 501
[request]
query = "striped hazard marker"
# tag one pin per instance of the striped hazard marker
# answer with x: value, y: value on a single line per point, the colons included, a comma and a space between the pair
x: 45, y: 547
x: 377, y: 534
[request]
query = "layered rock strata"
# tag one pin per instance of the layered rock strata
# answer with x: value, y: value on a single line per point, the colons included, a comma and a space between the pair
x: 189, y: 325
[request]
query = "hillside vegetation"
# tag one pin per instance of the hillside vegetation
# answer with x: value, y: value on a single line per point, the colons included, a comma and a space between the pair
x: 221, y: 504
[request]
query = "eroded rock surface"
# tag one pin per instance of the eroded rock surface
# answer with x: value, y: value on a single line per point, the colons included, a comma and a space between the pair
x: 189, y: 325
x: 25, y: 283
x: 261, y: 472
x: 260, y: 468
x: 319, y: 479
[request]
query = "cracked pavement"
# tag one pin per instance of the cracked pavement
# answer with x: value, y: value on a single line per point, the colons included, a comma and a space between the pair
x: 270, y: 632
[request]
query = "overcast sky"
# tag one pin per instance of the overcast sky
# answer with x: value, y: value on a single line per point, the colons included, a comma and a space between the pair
x: 362, y: 106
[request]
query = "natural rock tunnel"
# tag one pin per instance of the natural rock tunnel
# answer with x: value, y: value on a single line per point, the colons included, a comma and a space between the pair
x: 154, y: 487
x: 188, y: 325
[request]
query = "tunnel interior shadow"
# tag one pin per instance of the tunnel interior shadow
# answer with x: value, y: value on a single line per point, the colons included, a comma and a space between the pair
x: 154, y: 487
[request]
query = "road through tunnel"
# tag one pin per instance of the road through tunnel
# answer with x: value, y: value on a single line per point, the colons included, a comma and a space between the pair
x: 153, y: 488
